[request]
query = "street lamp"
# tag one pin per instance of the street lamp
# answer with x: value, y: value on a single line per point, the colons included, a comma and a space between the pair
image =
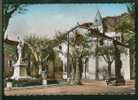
x: 68, y: 69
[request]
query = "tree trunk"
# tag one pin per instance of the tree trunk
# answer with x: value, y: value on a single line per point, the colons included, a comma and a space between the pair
x: 109, y: 69
x: 81, y: 67
x: 73, y: 70
x: 54, y: 69
x: 72, y: 73
x: 118, y: 63
x: 97, y: 66
x: 86, y: 67
x: 78, y: 72
x: 34, y: 69
x: 40, y: 69
x: 6, y: 22
x: 85, y: 70
x: 132, y: 63
x: 96, y: 61
x: 29, y: 65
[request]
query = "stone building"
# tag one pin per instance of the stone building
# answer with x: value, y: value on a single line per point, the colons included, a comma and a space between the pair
x: 107, y: 26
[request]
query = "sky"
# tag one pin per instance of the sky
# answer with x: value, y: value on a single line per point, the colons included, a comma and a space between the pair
x: 46, y: 20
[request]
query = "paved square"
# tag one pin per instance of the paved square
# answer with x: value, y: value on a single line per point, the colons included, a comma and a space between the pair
x: 87, y: 88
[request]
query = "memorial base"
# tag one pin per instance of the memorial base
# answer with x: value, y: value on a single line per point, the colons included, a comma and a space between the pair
x: 20, y: 72
x: 44, y: 82
x: 64, y: 75
x: 9, y: 85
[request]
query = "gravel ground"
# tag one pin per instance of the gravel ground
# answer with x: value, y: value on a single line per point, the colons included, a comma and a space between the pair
x: 87, y: 88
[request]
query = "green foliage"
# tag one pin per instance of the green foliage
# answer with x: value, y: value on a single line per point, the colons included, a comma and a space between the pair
x: 127, y: 26
x: 41, y: 50
x: 60, y: 37
x: 107, y: 52
x: 26, y: 82
x: 9, y: 49
x: 35, y: 47
x: 12, y: 8
x: 81, y: 44
x: 131, y: 9
x: 9, y: 10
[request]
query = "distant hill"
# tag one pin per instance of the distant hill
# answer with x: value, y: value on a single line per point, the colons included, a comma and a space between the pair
x: 109, y: 23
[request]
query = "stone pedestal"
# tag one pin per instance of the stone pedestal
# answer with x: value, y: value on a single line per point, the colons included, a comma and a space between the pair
x: 64, y: 75
x: 44, y: 77
x: 68, y: 79
x: 9, y: 85
x: 20, y: 72
x: 44, y: 82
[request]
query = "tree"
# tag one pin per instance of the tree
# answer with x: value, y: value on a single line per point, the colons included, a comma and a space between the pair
x: 41, y: 51
x: 35, y: 46
x: 9, y: 10
x: 131, y: 40
x: 131, y: 10
x: 127, y: 29
x: 76, y: 57
x: 80, y: 49
x: 9, y: 52
x: 107, y: 52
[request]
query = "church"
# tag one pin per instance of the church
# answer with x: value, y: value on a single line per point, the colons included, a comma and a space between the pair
x: 97, y: 67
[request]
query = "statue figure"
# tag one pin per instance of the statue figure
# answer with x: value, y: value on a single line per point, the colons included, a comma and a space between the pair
x: 19, y: 50
x: 20, y: 71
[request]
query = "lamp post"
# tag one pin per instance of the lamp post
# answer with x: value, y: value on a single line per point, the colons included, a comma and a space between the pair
x: 68, y: 64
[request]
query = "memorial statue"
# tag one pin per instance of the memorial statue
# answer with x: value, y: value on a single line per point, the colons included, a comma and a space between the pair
x: 19, y: 50
x: 20, y: 71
